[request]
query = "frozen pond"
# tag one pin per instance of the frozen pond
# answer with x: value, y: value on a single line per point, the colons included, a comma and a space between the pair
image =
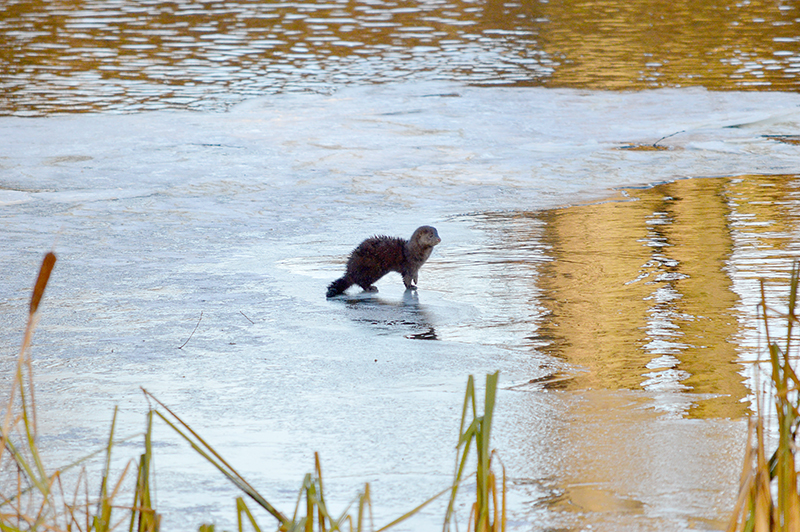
x: 203, y: 168
x: 243, y: 218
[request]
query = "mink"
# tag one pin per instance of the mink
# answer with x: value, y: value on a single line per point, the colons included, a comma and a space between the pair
x: 379, y: 255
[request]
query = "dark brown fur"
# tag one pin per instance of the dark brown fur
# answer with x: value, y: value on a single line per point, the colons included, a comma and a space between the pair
x: 379, y: 255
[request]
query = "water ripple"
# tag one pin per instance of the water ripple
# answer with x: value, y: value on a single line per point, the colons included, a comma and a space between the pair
x: 174, y: 48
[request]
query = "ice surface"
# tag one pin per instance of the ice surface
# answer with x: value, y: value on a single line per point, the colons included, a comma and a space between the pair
x: 244, y: 217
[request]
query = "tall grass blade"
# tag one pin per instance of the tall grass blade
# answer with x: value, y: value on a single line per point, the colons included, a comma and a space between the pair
x: 96, y: 515
x: 102, y: 520
x: 321, y: 514
x: 484, y: 454
x: 413, y: 512
x: 37, y: 501
x: 485, y: 514
x: 144, y: 515
x: 242, y: 509
x: 208, y: 452
x: 464, y: 439
x: 29, y: 464
x: 365, y: 503
x: 769, y: 499
x: 45, y: 270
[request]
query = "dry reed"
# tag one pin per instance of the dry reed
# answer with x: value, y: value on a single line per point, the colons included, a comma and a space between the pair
x: 31, y: 499
x: 768, y: 496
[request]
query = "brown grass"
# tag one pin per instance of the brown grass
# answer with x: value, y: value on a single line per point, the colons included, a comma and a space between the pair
x: 33, y: 497
x: 768, y: 496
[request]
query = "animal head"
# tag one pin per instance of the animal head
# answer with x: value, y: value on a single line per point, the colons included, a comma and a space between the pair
x: 426, y: 235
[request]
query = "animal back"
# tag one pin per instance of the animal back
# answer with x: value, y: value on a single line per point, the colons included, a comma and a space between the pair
x: 374, y: 258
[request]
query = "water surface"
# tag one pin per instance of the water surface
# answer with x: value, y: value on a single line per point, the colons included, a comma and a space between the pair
x: 120, y: 55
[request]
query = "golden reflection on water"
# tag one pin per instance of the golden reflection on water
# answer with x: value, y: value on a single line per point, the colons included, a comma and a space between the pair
x: 658, y: 292
x: 131, y: 55
x: 724, y: 45
x: 627, y: 466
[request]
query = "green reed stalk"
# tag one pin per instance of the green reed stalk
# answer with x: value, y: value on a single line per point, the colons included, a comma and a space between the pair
x: 486, y: 515
x: 40, y: 511
x: 212, y: 456
x: 25, y: 456
x: 311, y: 511
x: 32, y: 503
x: 756, y: 509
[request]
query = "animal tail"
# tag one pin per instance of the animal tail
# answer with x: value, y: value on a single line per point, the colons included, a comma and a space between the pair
x: 339, y: 286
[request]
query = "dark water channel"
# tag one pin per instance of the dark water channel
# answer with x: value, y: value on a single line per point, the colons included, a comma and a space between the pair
x: 622, y: 318
x: 121, y: 55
